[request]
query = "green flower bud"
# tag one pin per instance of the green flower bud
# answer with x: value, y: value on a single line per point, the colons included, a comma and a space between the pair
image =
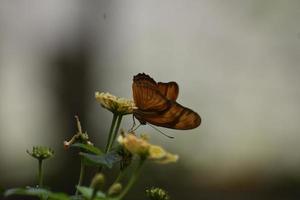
x: 115, y: 189
x: 41, y: 153
x: 157, y: 194
x: 98, y: 181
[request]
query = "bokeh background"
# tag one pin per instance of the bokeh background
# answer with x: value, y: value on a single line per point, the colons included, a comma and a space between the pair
x: 236, y: 62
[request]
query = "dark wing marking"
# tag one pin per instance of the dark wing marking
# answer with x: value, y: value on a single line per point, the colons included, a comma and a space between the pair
x: 141, y: 77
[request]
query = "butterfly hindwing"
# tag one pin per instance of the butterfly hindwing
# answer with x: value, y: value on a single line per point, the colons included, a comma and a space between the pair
x: 175, y: 117
x: 188, y: 119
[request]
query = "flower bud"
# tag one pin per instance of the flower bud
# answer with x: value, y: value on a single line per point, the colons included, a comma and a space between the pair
x: 115, y: 189
x: 98, y: 181
x: 157, y: 194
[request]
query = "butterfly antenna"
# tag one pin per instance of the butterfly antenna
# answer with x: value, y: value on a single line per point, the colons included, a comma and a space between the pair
x: 168, y: 136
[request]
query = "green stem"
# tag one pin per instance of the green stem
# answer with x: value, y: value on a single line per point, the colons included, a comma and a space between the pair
x: 40, y: 173
x: 119, y: 177
x: 132, y: 180
x: 81, y: 175
x: 94, y: 194
x: 110, y: 136
x: 115, y: 132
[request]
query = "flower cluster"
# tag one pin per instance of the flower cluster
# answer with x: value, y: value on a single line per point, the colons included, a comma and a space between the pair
x: 140, y: 146
x: 41, y: 153
x: 157, y: 194
x: 115, y: 104
x: 130, y: 148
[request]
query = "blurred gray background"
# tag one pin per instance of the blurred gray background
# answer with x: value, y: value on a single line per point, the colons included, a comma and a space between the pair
x: 236, y: 63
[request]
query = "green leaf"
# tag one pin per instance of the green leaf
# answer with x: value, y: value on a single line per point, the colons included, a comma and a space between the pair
x: 76, y: 197
x: 101, y: 160
x: 27, y: 191
x: 88, y: 192
x: 88, y: 148
x: 30, y: 191
x: 58, y: 196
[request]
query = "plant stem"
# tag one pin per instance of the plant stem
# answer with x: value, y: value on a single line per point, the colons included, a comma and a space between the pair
x: 119, y: 177
x: 40, y: 173
x: 81, y: 175
x: 115, y: 132
x: 110, y: 136
x: 132, y: 180
x: 94, y: 194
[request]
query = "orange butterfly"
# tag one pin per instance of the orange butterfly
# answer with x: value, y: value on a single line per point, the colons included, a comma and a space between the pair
x: 156, y: 104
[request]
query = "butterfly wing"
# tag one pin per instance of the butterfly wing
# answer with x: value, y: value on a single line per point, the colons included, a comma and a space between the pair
x: 155, y: 108
x: 146, y: 95
x: 169, y: 90
x: 174, y: 117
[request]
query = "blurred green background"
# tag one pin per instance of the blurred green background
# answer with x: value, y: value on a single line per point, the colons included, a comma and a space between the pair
x: 236, y: 63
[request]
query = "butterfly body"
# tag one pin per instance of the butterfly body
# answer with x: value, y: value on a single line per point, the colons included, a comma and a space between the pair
x: 156, y: 104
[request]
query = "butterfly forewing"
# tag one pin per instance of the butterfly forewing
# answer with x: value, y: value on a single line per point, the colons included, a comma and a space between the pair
x: 169, y: 90
x: 147, y: 98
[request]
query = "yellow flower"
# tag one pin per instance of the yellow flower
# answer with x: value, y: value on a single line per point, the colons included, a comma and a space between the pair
x: 134, y: 144
x: 160, y: 155
x: 143, y: 148
x: 115, y: 104
x: 156, y: 152
x: 168, y: 158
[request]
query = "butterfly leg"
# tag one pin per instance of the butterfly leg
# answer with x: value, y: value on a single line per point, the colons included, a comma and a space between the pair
x: 133, y: 125
x: 137, y: 127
